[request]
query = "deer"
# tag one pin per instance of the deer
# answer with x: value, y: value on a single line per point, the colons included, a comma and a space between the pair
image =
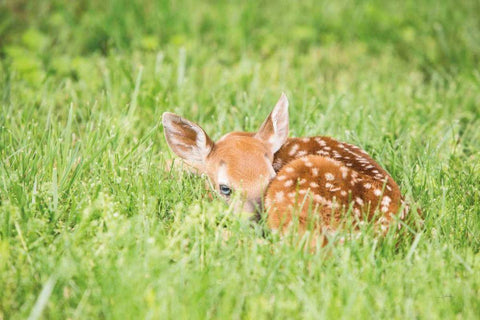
x: 309, y: 180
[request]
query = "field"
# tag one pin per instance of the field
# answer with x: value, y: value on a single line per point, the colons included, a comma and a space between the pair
x: 95, y: 222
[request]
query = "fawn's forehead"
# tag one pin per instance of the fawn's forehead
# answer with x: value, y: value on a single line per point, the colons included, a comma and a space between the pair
x: 241, y: 157
x: 236, y: 144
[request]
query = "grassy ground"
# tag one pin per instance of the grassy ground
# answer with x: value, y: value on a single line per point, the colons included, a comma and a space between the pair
x: 94, y: 224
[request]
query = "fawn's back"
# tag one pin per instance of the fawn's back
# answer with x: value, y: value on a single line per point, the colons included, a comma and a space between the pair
x: 315, y: 179
x: 329, y: 179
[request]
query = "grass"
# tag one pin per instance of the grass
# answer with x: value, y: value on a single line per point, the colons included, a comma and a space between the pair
x: 95, y: 224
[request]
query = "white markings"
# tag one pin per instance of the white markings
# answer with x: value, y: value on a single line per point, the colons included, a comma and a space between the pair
x: 359, y: 201
x: 386, y: 201
x: 279, y: 196
x: 288, y: 183
x: 293, y: 150
x: 329, y: 176
x: 377, y: 192
x: 320, y: 142
x: 307, y: 162
x: 344, y: 171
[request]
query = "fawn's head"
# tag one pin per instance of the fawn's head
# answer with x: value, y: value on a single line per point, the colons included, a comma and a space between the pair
x: 240, y: 162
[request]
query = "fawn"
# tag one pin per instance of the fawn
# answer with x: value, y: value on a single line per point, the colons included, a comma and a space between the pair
x: 312, y: 179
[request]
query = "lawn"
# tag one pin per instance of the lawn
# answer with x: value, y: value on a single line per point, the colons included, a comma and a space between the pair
x: 95, y: 222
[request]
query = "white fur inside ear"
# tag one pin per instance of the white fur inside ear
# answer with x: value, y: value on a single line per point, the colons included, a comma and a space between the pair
x: 279, y: 119
x: 186, y: 139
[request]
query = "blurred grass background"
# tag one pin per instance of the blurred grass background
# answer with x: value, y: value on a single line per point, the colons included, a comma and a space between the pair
x: 94, y: 224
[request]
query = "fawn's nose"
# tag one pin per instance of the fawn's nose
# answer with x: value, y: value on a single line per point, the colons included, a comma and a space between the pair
x: 249, y: 207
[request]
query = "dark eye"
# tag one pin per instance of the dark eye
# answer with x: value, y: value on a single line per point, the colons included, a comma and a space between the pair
x: 225, y: 190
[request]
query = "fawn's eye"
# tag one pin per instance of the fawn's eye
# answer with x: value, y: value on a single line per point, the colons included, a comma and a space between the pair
x: 225, y: 190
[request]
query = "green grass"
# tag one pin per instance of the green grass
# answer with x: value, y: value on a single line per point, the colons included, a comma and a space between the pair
x: 95, y: 224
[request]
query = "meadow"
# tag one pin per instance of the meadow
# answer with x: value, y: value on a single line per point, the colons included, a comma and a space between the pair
x: 95, y: 222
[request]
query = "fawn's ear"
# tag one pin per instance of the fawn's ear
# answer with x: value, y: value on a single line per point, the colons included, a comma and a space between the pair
x: 274, y: 129
x: 186, y: 139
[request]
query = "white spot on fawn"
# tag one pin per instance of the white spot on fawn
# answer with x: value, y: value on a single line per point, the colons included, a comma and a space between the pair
x: 367, y: 185
x: 288, y: 183
x: 301, y: 153
x: 377, y: 192
x: 315, y: 172
x: 319, y: 199
x: 281, y: 178
x: 320, y: 142
x: 305, y: 140
x: 343, y: 193
x: 289, y: 169
x: 344, y: 171
x: 329, y: 176
x: 386, y: 201
x: 313, y: 184
x: 279, y: 196
x: 307, y: 162
x: 293, y: 150
x: 359, y: 201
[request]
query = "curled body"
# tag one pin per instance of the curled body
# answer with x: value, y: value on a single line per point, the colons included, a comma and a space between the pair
x: 315, y: 180
x: 324, y: 180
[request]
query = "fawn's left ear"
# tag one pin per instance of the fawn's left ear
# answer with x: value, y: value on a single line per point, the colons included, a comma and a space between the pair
x: 187, y: 139
x: 274, y: 129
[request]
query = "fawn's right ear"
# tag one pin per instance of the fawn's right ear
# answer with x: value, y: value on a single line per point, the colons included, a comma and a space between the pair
x: 186, y: 139
x: 274, y: 129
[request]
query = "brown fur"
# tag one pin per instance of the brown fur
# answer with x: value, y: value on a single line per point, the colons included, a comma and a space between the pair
x: 330, y: 179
